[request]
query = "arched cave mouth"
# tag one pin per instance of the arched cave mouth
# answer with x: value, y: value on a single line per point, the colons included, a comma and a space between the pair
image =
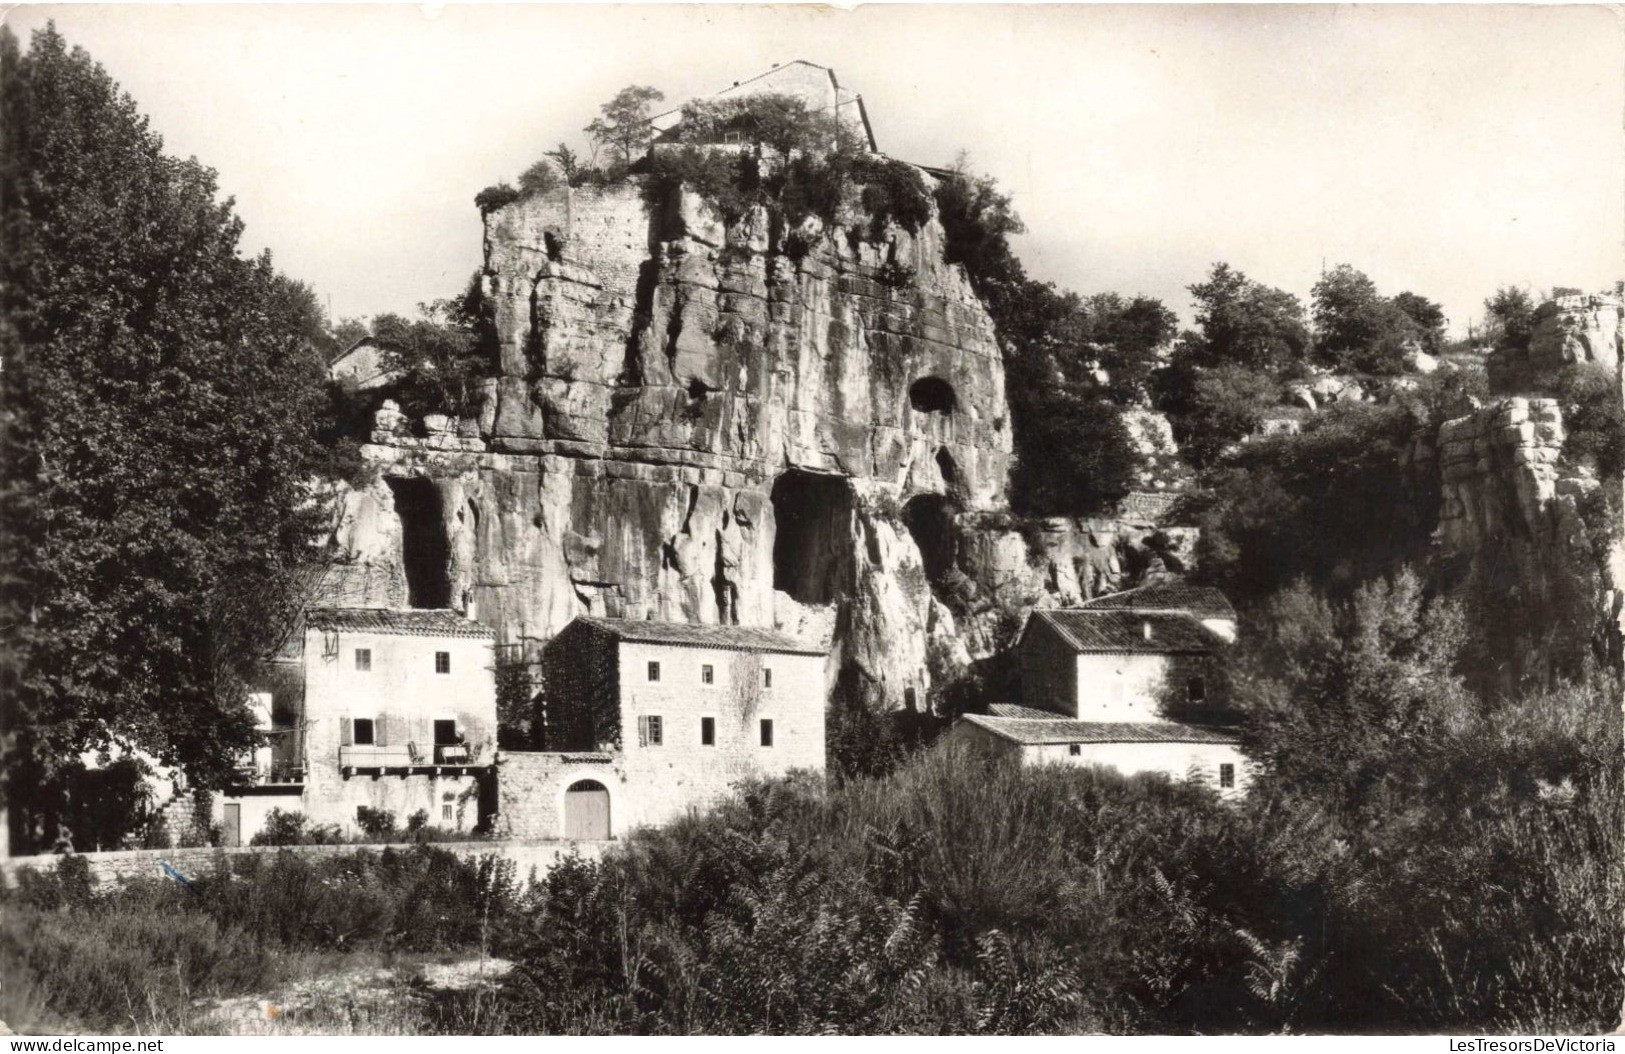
x: 930, y: 520
x: 812, y: 540
x: 932, y: 395
x: 425, y: 552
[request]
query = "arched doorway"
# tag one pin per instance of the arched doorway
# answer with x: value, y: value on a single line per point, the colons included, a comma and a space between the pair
x: 586, y: 811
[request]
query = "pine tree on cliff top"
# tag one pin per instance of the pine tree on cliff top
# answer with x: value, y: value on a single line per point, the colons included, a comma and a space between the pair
x: 156, y: 404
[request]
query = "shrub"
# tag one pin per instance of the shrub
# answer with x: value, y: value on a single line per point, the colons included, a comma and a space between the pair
x: 281, y: 827
x: 376, y: 823
x: 495, y: 197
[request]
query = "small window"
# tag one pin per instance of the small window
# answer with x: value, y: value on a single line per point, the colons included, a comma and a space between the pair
x: 767, y: 731
x: 447, y: 813
x: 1227, y: 775
x: 767, y: 677
x: 442, y: 662
x: 1196, y: 689
x: 708, y: 675
x: 708, y: 731
x: 363, y: 659
x: 1075, y: 749
x: 654, y: 671
x: 650, y: 731
x: 363, y: 732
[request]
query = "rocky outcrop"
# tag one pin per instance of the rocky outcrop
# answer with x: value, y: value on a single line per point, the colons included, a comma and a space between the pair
x: 1570, y: 329
x: 698, y: 422
x: 1529, y: 539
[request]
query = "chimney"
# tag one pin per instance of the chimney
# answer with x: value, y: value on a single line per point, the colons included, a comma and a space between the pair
x: 1146, y: 627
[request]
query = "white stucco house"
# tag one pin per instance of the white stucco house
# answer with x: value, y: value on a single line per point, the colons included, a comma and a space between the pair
x: 390, y: 709
x: 1132, y: 681
x: 815, y: 85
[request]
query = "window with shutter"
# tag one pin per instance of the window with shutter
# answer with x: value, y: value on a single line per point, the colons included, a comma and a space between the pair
x: 649, y: 731
x: 346, y: 733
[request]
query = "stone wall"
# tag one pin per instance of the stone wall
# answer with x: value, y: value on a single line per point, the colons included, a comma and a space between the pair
x: 530, y: 788
x: 113, y: 868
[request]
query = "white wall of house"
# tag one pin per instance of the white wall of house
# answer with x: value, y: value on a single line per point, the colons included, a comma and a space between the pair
x: 665, y: 779
x: 1178, y: 760
x: 1120, y: 687
x: 403, y: 695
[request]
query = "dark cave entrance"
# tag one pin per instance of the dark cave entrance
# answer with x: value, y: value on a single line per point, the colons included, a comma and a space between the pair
x: 812, y: 541
x: 930, y: 520
x: 932, y: 395
x: 425, y: 552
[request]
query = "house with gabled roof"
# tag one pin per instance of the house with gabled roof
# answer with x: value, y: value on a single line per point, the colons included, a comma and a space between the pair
x: 644, y: 720
x: 1133, y: 681
x: 391, y: 710
x: 815, y: 85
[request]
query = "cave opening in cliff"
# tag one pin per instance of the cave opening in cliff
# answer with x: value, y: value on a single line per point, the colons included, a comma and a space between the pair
x: 932, y: 395
x: 930, y: 521
x: 425, y: 551
x: 812, y: 540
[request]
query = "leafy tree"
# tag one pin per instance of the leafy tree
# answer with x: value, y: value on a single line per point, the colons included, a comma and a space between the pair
x: 1244, y: 323
x: 781, y: 123
x: 1426, y: 316
x: 495, y: 197
x: 1210, y: 410
x: 348, y: 331
x: 1355, y: 684
x: 158, y: 403
x: 569, y: 163
x: 1358, y: 330
x: 623, y: 124
x: 441, y: 355
x: 1132, y: 335
x: 540, y: 178
x: 1510, y: 315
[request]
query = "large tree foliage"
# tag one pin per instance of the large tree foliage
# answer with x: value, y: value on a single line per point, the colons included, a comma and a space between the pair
x: 1074, y: 455
x: 1358, y: 330
x: 623, y: 123
x: 1245, y: 323
x: 158, y: 394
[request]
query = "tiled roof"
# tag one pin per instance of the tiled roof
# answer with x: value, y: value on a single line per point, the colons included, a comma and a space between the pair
x: 1031, y: 732
x: 694, y: 635
x: 1204, y: 602
x: 1092, y: 630
x: 418, y: 622
x: 1147, y: 505
x: 1017, y: 710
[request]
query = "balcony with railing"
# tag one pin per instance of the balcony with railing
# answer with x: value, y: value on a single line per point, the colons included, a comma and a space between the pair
x: 411, y: 758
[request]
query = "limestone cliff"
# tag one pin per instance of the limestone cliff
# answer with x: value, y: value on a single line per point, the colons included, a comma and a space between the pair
x: 1531, y: 540
x: 804, y: 429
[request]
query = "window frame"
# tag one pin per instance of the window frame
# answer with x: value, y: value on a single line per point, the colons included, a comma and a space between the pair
x: 1196, y: 689
x: 708, y: 730
x: 708, y: 674
x: 652, y: 671
x: 767, y: 677
x: 363, y: 660
x: 651, y: 730
x: 371, y: 725
x: 1227, y: 775
x: 765, y: 732
x: 442, y: 662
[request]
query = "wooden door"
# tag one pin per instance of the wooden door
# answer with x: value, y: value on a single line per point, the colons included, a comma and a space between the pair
x: 586, y: 811
x: 233, y: 834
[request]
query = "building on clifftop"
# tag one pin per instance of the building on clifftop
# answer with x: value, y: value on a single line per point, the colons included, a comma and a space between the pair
x: 814, y: 85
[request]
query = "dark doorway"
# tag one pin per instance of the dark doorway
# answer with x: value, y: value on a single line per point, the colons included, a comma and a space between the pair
x: 445, y: 733
x: 812, y: 543
x: 424, y: 549
x: 930, y: 520
x: 586, y: 811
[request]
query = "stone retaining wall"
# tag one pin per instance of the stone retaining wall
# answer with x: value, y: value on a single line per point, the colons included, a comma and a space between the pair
x: 536, y: 857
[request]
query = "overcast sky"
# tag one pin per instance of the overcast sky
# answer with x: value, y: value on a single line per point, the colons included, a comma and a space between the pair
x: 1446, y: 150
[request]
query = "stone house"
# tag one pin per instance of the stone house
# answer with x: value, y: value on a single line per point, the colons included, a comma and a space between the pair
x: 388, y: 709
x: 1134, y: 681
x: 646, y: 719
x: 815, y: 85
x: 364, y: 365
